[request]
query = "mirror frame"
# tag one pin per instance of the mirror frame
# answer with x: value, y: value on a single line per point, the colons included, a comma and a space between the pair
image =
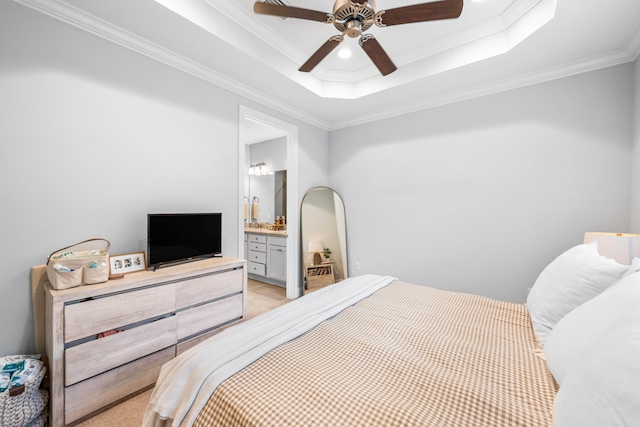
x: 344, y: 249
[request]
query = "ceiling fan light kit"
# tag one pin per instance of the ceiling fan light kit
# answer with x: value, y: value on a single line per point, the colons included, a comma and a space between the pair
x: 353, y: 17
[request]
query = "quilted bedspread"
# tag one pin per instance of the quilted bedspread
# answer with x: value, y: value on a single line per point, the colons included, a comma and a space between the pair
x: 406, y: 356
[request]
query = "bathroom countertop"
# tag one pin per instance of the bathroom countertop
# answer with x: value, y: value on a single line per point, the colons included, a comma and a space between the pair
x: 282, y: 233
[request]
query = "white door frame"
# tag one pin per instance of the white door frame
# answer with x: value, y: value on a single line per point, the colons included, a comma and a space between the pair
x: 294, y: 282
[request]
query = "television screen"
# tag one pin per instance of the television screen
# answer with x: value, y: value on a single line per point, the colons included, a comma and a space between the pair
x: 173, y: 238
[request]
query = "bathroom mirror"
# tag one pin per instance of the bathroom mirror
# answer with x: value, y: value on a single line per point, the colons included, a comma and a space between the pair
x: 323, y: 225
x: 270, y: 193
x: 265, y: 184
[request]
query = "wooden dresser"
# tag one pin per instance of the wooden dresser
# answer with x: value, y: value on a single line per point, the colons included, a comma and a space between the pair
x: 108, y: 341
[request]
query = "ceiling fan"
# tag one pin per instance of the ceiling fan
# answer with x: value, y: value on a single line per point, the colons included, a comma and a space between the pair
x: 354, y: 17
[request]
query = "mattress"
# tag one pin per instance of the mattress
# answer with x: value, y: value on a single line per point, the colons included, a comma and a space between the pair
x: 405, y: 356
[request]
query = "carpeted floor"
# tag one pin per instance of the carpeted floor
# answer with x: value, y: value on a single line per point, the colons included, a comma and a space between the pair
x: 262, y: 297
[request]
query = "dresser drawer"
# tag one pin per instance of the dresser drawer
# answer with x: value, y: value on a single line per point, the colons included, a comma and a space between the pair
x: 207, y: 288
x: 258, y: 247
x: 257, y: 238
x: 192, y: 342
x: 259, y: 269
x: 260, y: 257
x: 88, y: 318
x: 94, y: 357
x: 207, y: 316
x: 88, y: 396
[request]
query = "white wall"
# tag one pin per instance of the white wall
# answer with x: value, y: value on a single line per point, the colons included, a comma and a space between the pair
x: 272, y: 152
x: 479, y: 196
x: 635, y: 187
x: 93, y: 138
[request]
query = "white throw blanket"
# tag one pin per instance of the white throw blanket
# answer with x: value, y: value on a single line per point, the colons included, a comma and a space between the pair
x: 186, y: 383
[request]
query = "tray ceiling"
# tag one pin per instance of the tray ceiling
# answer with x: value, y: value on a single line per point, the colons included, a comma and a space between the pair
x: 495, y: 45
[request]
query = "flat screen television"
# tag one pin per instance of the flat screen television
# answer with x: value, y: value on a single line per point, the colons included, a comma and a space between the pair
x: 182, y: 237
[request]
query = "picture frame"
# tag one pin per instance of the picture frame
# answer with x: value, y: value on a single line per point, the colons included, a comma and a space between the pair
x: 127, y: 263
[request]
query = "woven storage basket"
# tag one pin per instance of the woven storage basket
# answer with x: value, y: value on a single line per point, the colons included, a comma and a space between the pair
x: 81, y: 262
x: 38, y: 421
x: 26, y: 408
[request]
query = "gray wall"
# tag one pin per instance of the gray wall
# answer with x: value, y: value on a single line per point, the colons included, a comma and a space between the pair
x: 635, y: 187
x: 479, y: 196
x: 94, y: 137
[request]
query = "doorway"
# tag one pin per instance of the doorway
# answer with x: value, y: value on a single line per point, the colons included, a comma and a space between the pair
x: 247, y: 119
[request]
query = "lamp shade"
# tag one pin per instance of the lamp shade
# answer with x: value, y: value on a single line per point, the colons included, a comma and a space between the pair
x: 622, y: 247
x: 316, y: 246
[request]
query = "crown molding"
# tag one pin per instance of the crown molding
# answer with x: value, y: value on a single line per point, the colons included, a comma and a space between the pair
x: 593, y: 64
x: 80, y: 19
x: 73, y: 16
x: 633, y: 47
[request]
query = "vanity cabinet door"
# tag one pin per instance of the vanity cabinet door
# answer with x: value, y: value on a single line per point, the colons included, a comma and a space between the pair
x: 277, y: 262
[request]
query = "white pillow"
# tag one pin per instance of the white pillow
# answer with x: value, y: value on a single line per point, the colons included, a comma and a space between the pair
x: 603, y: 389
x: 578, y: 331
x: 573, y: 278
x: 634, y: 267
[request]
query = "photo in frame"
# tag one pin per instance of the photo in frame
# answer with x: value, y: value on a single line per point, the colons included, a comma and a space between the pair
x: 127, y: 263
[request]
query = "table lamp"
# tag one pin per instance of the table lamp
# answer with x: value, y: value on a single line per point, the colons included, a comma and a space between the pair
x: 316, y: 247
x: 622, y: 247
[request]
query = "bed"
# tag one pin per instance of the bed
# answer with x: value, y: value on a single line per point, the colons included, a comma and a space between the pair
x: 376, y: 351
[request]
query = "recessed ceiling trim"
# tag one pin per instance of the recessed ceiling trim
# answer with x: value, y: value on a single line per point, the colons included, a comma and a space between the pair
x: 489, y: 38
x: 515, y: 14
x: 463, y: 53
x: 517, y: 10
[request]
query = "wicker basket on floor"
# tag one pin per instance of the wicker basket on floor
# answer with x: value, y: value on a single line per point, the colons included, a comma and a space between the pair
x: 24, y: 406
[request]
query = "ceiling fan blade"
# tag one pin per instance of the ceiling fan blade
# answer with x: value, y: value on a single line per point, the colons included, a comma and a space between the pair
x: 291, y: 12
x: 321, y: 53
x: 377, y: 54
x: 433, y: 11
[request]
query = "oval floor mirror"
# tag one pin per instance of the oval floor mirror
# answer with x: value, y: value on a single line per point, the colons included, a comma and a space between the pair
x: 323, y: 236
